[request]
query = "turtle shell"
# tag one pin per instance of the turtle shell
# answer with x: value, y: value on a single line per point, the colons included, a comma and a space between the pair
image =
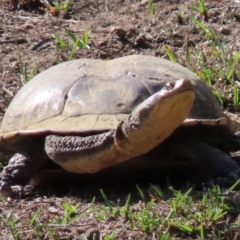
x: 84, y: 96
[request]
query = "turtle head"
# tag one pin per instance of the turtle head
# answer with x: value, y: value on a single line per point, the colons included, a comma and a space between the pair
x: 156, y: 118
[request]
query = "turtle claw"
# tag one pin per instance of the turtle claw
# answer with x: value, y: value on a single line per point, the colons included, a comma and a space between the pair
x: 222, y: 182
x: 232, y: 178
x: 5, y: 189
x: 16, y: 191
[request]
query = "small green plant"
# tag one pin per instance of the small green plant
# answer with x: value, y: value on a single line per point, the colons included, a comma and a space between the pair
x: 235, y: 95
x: 181, y: 200
x: 110, y: 236
x: 63, y: 7
x: 81, y: 43
x: 60, y: 42
x: 126, y: 209
x: 109, y: 203
x: 141, y: 194
x: 11, y: 224
x: 180, y: 16
x: 70, y: 212
x: 218, y: 96
x: 151, y: 8
x: 34, y: 219
x: 27, y: 76
x: 171, y: 55
x: 77, y: 42
x: 207, y: 31
x: 202, y: 9
x: 147, y: 220
x: 234, y: 185
x: 113, y: 208
x: 157, y: 191
x: 230, y: 199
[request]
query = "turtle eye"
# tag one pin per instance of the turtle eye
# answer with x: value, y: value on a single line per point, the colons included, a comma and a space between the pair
x: 170, y: 85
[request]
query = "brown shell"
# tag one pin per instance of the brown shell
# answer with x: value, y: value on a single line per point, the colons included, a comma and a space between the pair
x: 88, y: 95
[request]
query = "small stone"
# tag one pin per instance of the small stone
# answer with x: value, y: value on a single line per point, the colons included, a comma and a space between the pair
x: 225, y: 30
x: 53, y: 210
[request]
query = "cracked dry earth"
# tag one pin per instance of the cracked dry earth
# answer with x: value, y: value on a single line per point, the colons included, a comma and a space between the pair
x: 116, y: 28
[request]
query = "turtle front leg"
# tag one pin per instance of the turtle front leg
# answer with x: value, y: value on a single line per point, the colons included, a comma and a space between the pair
x: 218, y: 165
x: 88, y: 154
x: 22, y: 166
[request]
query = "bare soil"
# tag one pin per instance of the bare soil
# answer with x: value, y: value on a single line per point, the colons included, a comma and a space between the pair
x: 116, y: 28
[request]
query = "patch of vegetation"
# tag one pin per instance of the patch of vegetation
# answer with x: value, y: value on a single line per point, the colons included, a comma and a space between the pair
x: 25, y: 74
x: 167, y: 214
x: 151, y: 6
x: 63, y: 6
x: 202, y: 9
x: 77, y: 42
x: 198, y: 61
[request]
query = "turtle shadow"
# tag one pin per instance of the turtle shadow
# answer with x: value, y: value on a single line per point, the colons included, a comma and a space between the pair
x: 114, y: 183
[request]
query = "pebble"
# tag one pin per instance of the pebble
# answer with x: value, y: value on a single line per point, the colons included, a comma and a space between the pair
x: 225, y: 30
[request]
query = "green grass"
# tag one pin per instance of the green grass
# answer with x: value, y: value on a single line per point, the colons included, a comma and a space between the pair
x: 65, y: 6
x: 78, y: 43
x: 202, y: 9
x: 199, y: 61
x: 151, y: 6
x: 182, y: 213
x: 25, y: 74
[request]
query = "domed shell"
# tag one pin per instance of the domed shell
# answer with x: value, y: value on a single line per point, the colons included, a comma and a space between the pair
x: 88, y: 95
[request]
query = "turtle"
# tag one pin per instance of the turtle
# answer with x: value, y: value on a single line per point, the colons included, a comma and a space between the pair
x: 87, y: 115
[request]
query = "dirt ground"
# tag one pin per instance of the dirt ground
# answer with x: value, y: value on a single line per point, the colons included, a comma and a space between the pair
x: 116, y: 28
